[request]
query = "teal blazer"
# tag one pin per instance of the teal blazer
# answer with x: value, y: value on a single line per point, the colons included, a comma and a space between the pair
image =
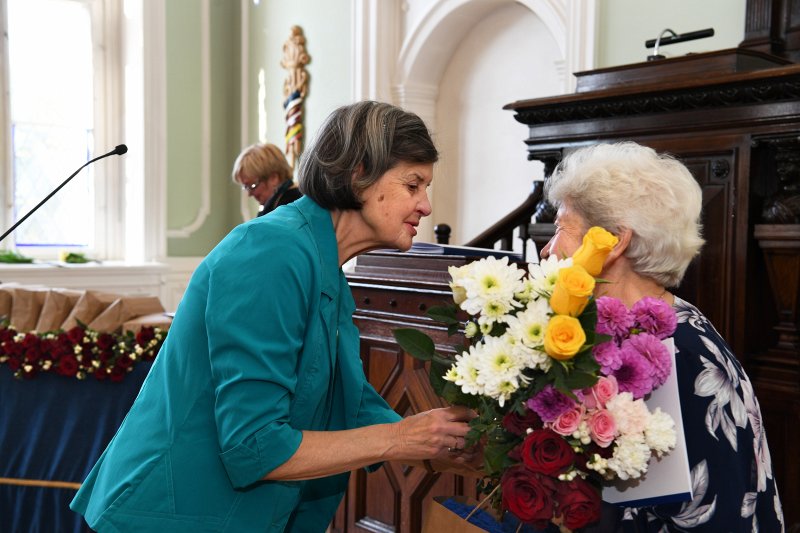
x: 262, y: 347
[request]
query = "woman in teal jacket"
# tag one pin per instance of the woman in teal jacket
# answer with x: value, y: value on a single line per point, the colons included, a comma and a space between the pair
x: 257, y: 406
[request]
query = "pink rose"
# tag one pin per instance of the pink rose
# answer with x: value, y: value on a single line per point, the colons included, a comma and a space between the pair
x: 568, y: 422
x: 605, y: 389
x: 602, y: 427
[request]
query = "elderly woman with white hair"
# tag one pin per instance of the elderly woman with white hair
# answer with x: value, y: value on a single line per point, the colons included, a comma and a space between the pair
x: 652, y: 204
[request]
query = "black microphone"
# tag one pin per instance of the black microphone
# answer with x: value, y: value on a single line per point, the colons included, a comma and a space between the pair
x: 119, y: 150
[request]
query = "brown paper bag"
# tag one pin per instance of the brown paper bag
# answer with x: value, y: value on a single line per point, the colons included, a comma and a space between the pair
x: 124, y: 309
x: 6, y: 295
x: 26, y: 305
x: 88, y: 306
x: 440, y: 519
x: 56, y: 308
x: 156, y: 320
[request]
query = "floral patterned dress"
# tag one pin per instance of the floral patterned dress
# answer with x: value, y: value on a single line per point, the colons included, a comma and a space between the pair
x: 732, y: 479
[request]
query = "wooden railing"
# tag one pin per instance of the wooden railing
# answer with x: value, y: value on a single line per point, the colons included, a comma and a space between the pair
x: 520, y: 220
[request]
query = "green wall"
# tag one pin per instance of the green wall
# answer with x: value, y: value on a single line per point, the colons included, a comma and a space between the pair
x: 623, y: 26
x: 327, y: 28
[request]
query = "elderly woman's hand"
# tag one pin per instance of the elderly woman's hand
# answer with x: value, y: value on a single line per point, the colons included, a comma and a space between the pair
x: 434, y: 433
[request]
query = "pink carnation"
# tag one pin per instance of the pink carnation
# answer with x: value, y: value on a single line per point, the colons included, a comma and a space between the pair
x: 613, y: 318
x: 654, y: 316
x: 602, y: 427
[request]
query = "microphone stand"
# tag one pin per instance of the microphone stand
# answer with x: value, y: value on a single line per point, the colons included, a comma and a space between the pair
x: 119, y: 150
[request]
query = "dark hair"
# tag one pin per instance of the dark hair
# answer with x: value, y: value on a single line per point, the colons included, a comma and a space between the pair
x: 355, y: 146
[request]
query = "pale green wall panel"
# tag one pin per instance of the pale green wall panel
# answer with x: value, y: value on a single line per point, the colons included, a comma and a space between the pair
x: 327, y: 27
x: 625, y: 25
x: 184, y: 122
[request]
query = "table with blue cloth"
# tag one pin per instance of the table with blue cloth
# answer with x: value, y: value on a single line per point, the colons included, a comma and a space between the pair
x: 52, y: 430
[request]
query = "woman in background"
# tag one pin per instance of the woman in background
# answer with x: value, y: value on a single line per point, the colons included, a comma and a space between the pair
x: 262, y: 171
x: 652, y: 203
x: 257, y: 407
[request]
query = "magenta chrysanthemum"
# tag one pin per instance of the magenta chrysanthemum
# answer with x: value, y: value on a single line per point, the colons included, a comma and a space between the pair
x: 613, y: 318
x: 635, y: 373
x: 654, y: 316
x: 549, y: 404
x: 649, y: 347
x: 607, y: 356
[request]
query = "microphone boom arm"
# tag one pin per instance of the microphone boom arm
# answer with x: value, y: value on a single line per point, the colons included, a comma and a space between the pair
x: 119, y: 150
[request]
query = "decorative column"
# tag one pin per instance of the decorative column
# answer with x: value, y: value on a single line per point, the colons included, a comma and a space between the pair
x: 295, y: 87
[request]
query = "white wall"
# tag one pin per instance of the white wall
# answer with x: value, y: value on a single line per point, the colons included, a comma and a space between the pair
x: 484, y: 172
x: 625, y: 25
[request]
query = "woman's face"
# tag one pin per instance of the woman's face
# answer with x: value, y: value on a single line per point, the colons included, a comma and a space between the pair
x: 570, y: 228
x: 261, y: 190
x: 394, y: 205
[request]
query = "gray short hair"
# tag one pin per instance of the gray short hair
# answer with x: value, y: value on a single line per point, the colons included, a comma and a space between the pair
x: 355, y: 146
x: 629, y: 186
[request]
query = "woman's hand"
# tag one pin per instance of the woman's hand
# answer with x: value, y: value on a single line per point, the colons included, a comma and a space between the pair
x: 432, y: 434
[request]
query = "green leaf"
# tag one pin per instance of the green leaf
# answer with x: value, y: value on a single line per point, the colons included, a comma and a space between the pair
x: 415, y: 343
x: 436, y: 377
x: 444, y: 314
x: 579, y: 380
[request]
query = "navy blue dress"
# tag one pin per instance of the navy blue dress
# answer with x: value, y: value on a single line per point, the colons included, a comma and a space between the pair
x: 733, y: 483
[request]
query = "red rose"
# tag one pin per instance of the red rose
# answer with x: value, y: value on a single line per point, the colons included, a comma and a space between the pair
x: 117, y: 374
x: 31, y: 341
x: 67, y: 366
x: 578, y: 503
x: 6, y: 335
x: 75, y: 335
x: 528, y: 495
x: 14, y: 363
x: 124, y: 361
x: 518, y: 424
x: 100, y: 374
x: 547, y: 452
x: 105, y: 341
x: 145, y: 335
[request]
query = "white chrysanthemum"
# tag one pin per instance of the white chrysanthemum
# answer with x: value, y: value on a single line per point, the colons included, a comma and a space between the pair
x: 496, y: 311
x: 631, y: 456
x: 544, y: 273
x: 527, y: 293
x: 532, y: 358
x: 502, y: 390
x: 659, y: 433
x: 471, y: 329
x: 490, y: 281
x: 530, y: 325
x: 631, y: 416
x: 498, y: 367
x: 464, y: 373
x: 458, y: 275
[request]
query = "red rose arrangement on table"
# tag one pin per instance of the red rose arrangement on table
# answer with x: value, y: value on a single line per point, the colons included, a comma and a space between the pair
x: 558, y: 379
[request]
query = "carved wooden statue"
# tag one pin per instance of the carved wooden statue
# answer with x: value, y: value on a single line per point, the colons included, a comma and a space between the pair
x: 295, y: 87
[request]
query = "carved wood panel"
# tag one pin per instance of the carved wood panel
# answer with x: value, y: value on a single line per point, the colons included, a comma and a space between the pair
x: 393, y: 498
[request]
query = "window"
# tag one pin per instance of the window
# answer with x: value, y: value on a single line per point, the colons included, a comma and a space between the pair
x: 63, y: 75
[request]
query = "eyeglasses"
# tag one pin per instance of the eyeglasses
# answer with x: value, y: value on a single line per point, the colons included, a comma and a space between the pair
x: 250, y: 187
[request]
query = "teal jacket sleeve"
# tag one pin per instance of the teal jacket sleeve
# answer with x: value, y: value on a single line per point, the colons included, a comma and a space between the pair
x: 260, y: 297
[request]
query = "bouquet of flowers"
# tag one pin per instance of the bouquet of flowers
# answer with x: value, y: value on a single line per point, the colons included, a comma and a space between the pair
x: 558, y: 379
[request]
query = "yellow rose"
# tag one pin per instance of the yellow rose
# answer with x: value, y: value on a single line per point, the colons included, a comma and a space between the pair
x: 572, y: 290
x: 563, y: 338
x: 597, y: 244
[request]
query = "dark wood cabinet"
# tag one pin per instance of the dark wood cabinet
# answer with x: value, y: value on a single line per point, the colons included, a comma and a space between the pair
x: 394, y: 290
